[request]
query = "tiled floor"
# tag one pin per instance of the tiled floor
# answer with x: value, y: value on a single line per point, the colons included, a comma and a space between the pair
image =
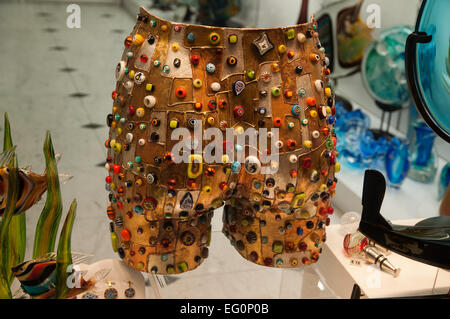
x: 60, y: 79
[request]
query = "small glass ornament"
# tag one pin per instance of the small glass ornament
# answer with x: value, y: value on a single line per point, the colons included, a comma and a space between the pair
x: 423, y: 159
x: 397, y: 161
x: 350, y: 222
x: 444, y: 180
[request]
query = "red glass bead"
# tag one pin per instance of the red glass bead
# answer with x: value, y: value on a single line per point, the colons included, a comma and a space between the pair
x: 195, y: 59
x: 302, y: 246
x: 268, y: 261
x: 108, y: 179
x: 307, y: 162
x: 116, y: 169
x: 143, y: 58
x: 223, y: 186
x: 191, y: 183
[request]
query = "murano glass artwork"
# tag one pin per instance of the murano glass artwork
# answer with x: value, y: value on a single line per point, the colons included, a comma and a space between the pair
x: 220, y: 82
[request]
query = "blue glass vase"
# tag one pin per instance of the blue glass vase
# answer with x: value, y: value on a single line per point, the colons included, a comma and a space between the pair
x: 423, y: 158
x: 397, y: 161
x: 444, y: 180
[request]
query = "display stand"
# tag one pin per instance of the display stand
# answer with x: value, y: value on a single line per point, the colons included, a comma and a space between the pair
x: 120, y: 276
x: 388, y: 110
x: 415, y: 279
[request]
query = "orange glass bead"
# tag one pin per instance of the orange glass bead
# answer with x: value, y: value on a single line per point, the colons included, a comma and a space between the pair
x: 311, y: 101
x: 288, y: 93
x: 111, y: 213
x: 128, y: 41
x: 180, y: 92
x: 125, y: 234
x: 291, y: 144
x: 277, y: 122
x: 293, y: 173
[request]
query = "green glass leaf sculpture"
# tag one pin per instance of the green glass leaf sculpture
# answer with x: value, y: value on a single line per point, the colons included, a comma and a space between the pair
x: 64, y: 254
x: 47, y: 227
x: 17, y: 231
x: 5, y: 244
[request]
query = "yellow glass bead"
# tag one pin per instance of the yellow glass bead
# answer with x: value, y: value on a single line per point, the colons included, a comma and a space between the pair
x: 290, y: 34
x: 115, y: 109
x: 214, y: 38
x: 313, y: 113
x: 337, y: 167
x: 117, y: 148
x: 275, y: 67
x: 298, y: 200
x: 119, y: 131
x: 140, y: 265
x: 328, y: 92
x: 175, y: 46
x: 131, y: 74
x: 138, y: 39
x: 328, y: 110
x: 112, y: 142
x: 112, y: 186
x: 233, y: 39
x: 149, y: 86
x: 170, y: 270
x: 114, y: 242
x: 307, y: 144
x: 197, y: 83
x: 173, y: 124
x: 195, y: 166
x: 239, y: 130
x: 225, y: 159
x: 323, y: 187
x: 207, y: 189
x: 140, y: 112
x: 113, y: 124
x: 164, y: 27
x: 210, y: 120
x: 183, y: 266
x: 282, y: 48
x: 244, y: 222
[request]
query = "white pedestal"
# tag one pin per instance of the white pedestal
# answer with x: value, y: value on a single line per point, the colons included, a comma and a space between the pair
x: 415, y: 279
x: 119, y: 274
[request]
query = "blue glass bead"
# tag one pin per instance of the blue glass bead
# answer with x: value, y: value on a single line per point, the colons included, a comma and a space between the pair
x: 191, y: 37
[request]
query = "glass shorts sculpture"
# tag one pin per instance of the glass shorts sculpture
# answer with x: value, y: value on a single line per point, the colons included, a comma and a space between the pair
x: 175, y: 75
